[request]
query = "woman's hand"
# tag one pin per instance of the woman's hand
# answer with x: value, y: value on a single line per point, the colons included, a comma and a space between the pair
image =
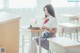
x: 44, y: 27
x: 53, y: 30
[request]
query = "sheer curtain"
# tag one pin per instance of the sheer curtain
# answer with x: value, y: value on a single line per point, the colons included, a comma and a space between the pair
x: 1, y: 4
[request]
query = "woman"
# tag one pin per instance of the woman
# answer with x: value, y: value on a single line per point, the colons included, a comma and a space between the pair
x: 49, y: 27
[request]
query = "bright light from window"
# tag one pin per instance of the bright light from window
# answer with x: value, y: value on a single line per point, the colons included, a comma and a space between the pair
x: 62, y: 3
x: 74, y: 0
x: 79, y: 4
x: 1, y: 4
x: 22, y: 3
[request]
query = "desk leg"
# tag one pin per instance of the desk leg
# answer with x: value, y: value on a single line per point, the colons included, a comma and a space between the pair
x: 70, y: 35
x: 66, y: 50
x: 31, y: 44
x: 59, y: 34
x: 65, y: 34
x: 69, y: 20
x: 22, y: 43
x: 39, y: 43
x: 77, y: 33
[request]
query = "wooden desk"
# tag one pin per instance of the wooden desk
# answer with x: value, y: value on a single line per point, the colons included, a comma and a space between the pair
x: 39, y: 35
x: 71, y: 17
x: 69, y: 27
x: 37, y: 31
x: 67, y: 15
x: 64, y: 45
x: 9, y: 32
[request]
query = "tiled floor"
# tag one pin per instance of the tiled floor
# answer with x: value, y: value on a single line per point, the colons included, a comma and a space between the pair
x: 27, y: 44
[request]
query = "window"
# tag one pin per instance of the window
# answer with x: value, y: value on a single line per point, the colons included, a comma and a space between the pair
x: 1, y: 4
x: 62, y: 3
x: 74, y: 0
x: 22, y: 3
x: 78, y: 4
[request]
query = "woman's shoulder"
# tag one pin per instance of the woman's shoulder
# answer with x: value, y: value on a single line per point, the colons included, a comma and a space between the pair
x: 53, y: 18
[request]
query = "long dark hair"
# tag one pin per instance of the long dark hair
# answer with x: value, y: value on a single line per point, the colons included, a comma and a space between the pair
x: 50, y: 10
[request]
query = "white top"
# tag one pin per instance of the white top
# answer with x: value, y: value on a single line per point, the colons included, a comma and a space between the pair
x: 52, y: 23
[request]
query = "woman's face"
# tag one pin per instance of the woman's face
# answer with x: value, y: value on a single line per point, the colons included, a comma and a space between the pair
x: 46, y: 11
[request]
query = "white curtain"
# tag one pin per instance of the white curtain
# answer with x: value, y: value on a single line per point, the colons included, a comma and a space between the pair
x: 1, y: 4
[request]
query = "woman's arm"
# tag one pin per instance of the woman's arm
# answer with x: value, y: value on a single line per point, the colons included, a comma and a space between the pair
x: 53, y: 30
